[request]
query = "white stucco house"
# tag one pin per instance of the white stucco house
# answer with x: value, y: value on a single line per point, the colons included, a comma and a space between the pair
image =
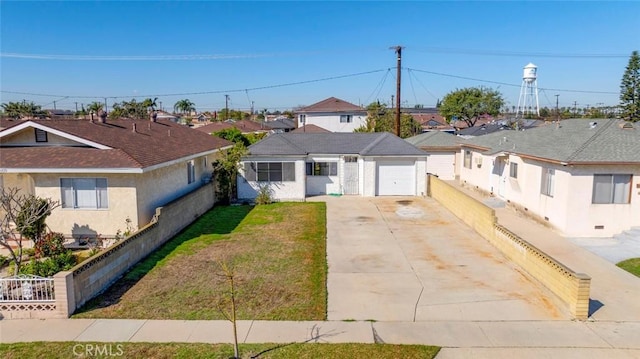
x: 104, y: 172
x: 297, y: 165
x: 443, y: 149
x: 581, y: 176
x: 333, y: 114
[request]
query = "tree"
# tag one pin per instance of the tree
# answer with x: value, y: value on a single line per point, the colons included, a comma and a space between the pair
x: 133, y: 109
x: 630, y: 89
x: 184, y: 106
x: 234, y: 135
x: 225, y: 170
x: 469, y: 104
x: 21, y: 215
x: 18, y: 110
x: 95, y: 107
x: 382, y: 119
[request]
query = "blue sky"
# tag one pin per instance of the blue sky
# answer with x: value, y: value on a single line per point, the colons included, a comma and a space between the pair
x: 81, y: 51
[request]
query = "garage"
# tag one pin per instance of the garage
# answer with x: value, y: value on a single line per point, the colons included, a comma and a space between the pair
x: 396, y: 178
x: 442, y: 165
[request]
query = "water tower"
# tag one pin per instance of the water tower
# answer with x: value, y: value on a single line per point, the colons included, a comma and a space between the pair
x: 528, y: 100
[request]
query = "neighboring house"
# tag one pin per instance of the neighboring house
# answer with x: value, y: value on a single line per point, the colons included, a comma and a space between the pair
x: 444, y: 152
x: 483, y: 129
x: 245, y: 126
x: 297, y: 165
x: 280, y: 125
x: 333, y: 114
x: 310, y: 129
x: 105, y: 173
x: 581, y: 176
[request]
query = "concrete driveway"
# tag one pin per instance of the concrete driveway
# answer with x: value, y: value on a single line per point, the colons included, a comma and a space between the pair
x: 408, y: 259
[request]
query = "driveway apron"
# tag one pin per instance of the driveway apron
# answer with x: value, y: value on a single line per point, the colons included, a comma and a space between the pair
x: 408, y: 259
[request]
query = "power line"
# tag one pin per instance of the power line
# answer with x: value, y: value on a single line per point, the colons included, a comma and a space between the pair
x: 378, y: 87
x: 205, y: 92
x: 513, y: 85
x: 444, y: 50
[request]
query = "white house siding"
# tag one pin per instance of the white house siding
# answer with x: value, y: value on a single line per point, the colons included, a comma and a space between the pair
x: 442, y: 164
x: 317, y: 185
x: 122, y: 205
x: 27, y: 137
x: 331, y: 121
x: 282, y: 191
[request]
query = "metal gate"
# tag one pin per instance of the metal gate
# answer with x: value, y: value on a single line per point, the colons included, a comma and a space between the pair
x: 350, y: 178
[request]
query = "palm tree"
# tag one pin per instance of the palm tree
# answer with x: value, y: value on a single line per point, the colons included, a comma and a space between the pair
x: 95, y: 107
x: 184, y: 106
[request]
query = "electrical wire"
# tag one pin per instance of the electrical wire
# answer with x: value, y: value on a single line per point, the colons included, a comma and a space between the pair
x: 378, y: 87
x: 444, y: 50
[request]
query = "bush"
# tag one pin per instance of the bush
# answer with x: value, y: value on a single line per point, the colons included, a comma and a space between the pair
x: 29, y: 252
x: 4, y: 260
x: 50, y: 266
x: 51, y: 244
x: 265, y: 195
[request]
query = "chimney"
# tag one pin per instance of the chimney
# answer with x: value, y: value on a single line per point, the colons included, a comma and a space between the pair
x: 154, y: 116
x: 103, y: 116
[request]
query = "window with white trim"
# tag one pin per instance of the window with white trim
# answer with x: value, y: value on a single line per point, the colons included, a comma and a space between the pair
x: 346, y: 118
x: 302, y: 119
x: 322, y: 168
x: 191, y: 172
x: 608, y: 189
x: 84, y: 193
x: 548, y: 179
x: 513, y: 170
x: 467, y: 159
x: 270, y: 171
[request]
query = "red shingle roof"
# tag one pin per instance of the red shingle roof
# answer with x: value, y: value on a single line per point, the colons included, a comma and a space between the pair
x: 151, y: 143
x: 245, y: 126
x: 310, y: 129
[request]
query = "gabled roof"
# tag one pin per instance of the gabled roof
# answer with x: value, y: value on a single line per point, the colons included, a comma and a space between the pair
x: 436, y: 140
x: 110, y: 145
x: 331, y: 104
x: 281, y: 123
x: 575, y: 141
x: 483, y: 129
x: 364, y: 144
x: 310, y: 129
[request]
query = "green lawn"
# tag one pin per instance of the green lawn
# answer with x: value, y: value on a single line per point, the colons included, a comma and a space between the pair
x: 631, y: 265
x: 220, y: 351
x: 278, y: 252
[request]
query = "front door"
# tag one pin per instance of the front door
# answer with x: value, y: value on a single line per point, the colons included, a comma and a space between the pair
x: 350, y: 179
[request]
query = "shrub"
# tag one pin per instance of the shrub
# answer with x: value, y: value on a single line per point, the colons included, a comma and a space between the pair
x: 4, y: 260
x: 50, y: 245
x: 29, y: 252
x: 50, y: 266
x: 265, y: 195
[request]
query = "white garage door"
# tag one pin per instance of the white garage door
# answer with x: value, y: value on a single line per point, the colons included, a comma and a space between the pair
x: 396, y: 178
x: 441, y: 165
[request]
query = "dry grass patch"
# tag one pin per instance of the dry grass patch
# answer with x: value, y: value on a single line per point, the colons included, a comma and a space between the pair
x: 221, y: 351
x: 278, y: 252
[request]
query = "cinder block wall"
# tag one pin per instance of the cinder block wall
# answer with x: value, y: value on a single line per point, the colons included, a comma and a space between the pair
x: 571, y: 287
x: 86, y: 280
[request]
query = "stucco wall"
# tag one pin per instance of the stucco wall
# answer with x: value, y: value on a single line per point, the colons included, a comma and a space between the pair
x: 28, y: 137
x: 331, y: 121
x: 90, y: 222
x: 281, y: 191
x: 442, y: 164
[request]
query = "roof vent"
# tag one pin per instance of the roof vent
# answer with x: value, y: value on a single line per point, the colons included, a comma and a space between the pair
x: 102, y: 115
x: 593, y: 124
x: 134, y: 127
x: 153, y: 116
x: 627, y: 126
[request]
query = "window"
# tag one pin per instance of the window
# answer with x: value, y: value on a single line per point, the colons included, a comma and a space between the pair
x: 41, y: 135
x: 191, y: 172
x: 89, y: 193
x: 302, y: 119
x: 513, y: 170
x: 467, y: 159
x: 270, y: 171
x: 322, y: 168
x: 611, y: 189
x: 547, y: 181
x: 346, y: 118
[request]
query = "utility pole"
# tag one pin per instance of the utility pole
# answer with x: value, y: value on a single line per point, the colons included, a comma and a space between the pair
x: 575, y: 108
x: 160, y: 102
x: 226, y: 107
x: 54, y: 105
x: 557, y: 109
x: 251, y: 109
x: 105, y: 105
x: 76, y: 106
x: 398, y: 50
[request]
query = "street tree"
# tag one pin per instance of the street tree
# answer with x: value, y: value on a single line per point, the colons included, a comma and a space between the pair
x: 184, y: 106
x: 630, y: 89
x: 133, y: 109
x: 22, y: 216
x: 95, y: 107
x: 469, y: 104
x: 18, y: 110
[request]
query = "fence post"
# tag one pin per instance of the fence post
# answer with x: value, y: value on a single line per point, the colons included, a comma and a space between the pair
x: 65, y: 293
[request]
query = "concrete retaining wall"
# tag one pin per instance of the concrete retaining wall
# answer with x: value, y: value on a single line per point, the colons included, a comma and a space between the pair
x: 571, y: 287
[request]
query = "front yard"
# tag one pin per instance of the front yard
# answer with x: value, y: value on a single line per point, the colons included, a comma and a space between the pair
x: 278, y: 252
